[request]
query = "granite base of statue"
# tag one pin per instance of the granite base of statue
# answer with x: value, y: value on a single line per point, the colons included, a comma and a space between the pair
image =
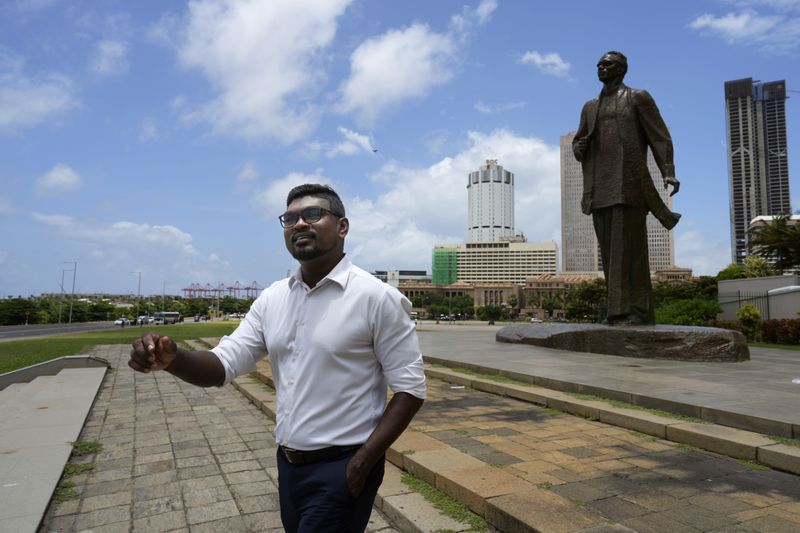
x: 678, y: 343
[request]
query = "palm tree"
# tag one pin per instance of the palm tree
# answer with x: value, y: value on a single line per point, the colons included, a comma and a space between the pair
x: 778, y: 242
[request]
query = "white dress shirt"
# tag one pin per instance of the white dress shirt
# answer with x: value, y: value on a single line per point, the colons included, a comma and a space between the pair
x: 333, y: 350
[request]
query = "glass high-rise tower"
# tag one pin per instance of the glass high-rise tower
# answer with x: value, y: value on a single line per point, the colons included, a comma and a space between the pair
x: 758, y: 165
x: 490, y: 192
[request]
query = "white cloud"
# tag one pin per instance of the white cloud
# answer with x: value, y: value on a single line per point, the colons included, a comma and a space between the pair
x: 264, y: 61
x: 148, y: 130
x: 272, y: 198
x: 52, y: 220
x: 61, y: 178
x: 778, y: 32
x: 491, y: 109
x: 247, y: 174
x: 394, y: 67
x: 550, y: 64
x: 351, y: 144
x: 27, y: 101
x: 428, y: 205
x: 735, y: 26
x: 405, y: 64
x: 110, y: 58
x: 695, y: 250
x: 164, y: 251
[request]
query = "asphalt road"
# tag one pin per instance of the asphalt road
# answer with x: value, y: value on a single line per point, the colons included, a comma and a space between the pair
x: 43, y: 330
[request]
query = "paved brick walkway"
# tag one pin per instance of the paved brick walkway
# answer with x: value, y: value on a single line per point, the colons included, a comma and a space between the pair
x: 630, y: 479
x: 174, y: 457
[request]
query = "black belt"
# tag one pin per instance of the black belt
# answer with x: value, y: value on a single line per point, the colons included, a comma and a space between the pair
x: 300, y: 457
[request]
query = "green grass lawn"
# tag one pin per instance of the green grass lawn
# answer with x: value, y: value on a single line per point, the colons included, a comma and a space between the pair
x: 26, y: 352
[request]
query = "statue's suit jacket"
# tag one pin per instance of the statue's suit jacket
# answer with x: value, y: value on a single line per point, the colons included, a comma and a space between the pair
x: 628, y: 182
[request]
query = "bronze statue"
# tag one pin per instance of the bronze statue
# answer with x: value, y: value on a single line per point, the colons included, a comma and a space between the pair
x: 611, y: 143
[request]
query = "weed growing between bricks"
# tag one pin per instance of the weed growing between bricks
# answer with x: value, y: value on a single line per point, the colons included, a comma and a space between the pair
x: 444, y: 503
x: 65, y: 490
x: 785, y: 440
x: 753, y: 465
x: 85, y: 447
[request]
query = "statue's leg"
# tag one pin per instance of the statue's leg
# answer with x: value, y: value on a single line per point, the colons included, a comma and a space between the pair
x: 639, y: 289
x: 608, y: 228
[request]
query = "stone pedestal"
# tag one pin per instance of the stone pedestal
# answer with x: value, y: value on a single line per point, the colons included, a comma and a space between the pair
x: 680, y: 343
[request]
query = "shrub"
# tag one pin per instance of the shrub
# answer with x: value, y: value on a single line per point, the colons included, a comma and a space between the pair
x: 750, y: 318
x: 694, y: 312
x: 784, y: 331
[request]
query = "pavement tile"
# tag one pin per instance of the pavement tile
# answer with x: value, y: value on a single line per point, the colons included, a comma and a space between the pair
x: 211, y: 512
x: 240, y: 466
x: 169, y: 521
x: 247, y: 476
x: 101, y: 517
x: 198, y: 471
x: 145, y: 508
x: 540, y: 510
x: 258, y: 488
x: 617, y: 509
x: 199, y: 497
x: 154, y: 467
x: 473, y: 486
x: 92, y: 503
x: 773, y: 524
x: 258, y: 504
x: 265, y: 521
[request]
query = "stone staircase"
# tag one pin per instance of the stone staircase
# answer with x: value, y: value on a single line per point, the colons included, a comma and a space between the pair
x: 39, y: 418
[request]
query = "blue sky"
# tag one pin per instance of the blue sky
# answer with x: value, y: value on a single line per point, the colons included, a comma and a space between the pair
x: 161, y: 137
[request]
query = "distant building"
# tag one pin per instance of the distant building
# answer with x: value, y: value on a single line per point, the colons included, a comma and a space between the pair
x: 494, y: 262
x: 580, y: 252
x: 395, y: 277
x: 758, y: 164
x: 674, y: 274
x: 490, y: 192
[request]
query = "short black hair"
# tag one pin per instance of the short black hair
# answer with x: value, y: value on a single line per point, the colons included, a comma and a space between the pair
x: 318, y: 191
x: 620, y: 58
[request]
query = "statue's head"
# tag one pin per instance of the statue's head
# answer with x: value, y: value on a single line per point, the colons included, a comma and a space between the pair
x: 612, y: 65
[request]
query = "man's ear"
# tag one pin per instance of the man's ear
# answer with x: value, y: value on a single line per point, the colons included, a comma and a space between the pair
x: 344, y: 226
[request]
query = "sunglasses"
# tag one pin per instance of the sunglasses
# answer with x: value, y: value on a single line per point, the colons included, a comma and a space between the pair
x: 309, y: 214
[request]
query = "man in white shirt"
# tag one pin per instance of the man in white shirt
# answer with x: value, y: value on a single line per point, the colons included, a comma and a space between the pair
x: 336, y: 337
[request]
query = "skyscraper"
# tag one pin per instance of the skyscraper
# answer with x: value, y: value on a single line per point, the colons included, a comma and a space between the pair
x: 490, y: 192
x: 758, y: 166
x: 580, y: 252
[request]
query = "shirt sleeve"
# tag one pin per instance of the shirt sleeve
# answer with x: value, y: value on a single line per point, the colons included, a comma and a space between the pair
x: 239, y: 351
x: 397, y: 346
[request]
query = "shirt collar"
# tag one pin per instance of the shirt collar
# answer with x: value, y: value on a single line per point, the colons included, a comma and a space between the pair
x: 340, y: 274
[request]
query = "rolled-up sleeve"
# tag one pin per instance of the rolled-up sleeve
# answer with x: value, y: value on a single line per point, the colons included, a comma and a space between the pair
x: 397, y: 346
x: 239, y: 351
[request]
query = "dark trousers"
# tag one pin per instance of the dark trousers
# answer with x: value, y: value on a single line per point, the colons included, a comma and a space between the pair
x: 622, y: 236
x: 315, y: 498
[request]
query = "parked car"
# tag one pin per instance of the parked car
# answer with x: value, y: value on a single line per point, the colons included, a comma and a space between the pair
x: 535, y: 319
x: 121, y: 322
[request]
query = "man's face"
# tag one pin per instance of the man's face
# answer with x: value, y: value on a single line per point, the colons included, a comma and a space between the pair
x: 609, y: 68
x: 307, y: 241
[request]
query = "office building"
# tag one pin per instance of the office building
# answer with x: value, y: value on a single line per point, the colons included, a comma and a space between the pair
x: 510, y: 261
x: 758, y: 166
x: 580, y: 252
x: 490, y: 192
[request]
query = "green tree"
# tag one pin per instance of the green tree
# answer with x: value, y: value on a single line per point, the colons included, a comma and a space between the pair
x: 585, y: 300
x: 732, y: 271
x: 492, y: 312
x: 758, y: 267
x: 778, y: 242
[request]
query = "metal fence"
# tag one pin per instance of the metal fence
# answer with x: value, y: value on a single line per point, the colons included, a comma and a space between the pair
x: 759, y: 299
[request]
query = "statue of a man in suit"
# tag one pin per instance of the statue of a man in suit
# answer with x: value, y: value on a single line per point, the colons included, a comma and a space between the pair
x: 615, y: 130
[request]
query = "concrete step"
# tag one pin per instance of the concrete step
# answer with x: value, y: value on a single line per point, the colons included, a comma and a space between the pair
x: 20, y: 395
x: 8, y: 392
x: 47, y: 415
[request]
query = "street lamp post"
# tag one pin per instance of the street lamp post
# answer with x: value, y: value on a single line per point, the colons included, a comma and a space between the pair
x: 138, y: 295
x: 72, y: 295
